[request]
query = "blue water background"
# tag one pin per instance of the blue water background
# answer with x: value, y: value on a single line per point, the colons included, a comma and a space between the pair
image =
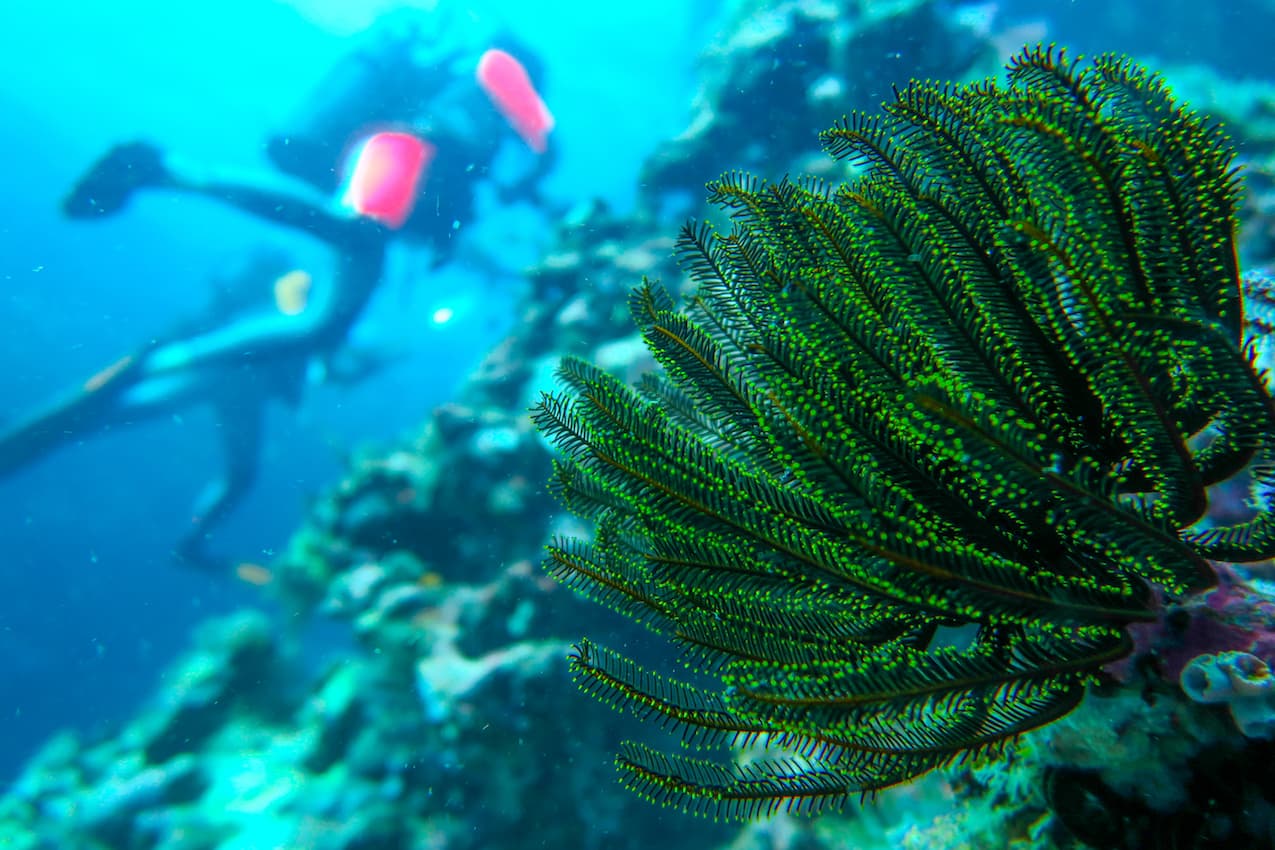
x: 91, y: 606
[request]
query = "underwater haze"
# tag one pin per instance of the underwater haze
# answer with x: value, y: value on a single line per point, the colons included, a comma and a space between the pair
x: 93, y: 606
x: 869, y: 402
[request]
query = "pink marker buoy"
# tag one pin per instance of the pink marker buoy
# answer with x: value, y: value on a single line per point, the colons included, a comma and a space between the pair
x: 386, y: 175
x: 506, y: 82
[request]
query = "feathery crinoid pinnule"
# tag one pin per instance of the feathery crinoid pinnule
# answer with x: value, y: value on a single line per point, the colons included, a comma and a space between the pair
x: 924, y: 443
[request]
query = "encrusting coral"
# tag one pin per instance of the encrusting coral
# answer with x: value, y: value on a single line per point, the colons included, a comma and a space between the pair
x: 923, y: 443
x: 1239, y: 680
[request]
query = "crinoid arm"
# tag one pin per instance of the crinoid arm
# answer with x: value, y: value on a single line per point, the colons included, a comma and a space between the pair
x: 961, y: 394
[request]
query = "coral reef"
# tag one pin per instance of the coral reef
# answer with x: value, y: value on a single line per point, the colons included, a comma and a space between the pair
x: 807, y: 55
x: 1239, y: 680
x: 441, y: 717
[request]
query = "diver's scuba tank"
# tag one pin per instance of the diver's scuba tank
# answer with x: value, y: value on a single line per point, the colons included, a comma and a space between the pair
x: 383, y: 83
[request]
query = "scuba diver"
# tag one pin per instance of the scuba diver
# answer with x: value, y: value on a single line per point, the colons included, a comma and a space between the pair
x: 394, y: 184
x: 404, y: 77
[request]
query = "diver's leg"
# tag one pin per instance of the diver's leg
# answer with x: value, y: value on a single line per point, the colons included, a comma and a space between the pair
x: 240, y: 421
x: 109, y: 183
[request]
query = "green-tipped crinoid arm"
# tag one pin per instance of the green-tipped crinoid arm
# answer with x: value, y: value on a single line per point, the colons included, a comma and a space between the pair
x: 984, y: 387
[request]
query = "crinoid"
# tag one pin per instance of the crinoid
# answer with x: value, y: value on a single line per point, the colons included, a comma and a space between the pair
x: 923, y: 443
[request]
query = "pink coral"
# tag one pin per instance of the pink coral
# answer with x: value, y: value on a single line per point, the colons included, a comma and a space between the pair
x: 1235, y: 616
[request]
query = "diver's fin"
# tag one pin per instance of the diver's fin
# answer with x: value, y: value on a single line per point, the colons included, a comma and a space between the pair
x: 80, y: 412
x: 30, y: 439
x: 106, y: 187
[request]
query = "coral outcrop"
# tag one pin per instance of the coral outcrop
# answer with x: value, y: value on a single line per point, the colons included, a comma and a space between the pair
x: 438, y: 714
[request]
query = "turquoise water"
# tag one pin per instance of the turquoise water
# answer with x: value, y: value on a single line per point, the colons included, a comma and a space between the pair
x: 95, y: 609
x: 91, y: 605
